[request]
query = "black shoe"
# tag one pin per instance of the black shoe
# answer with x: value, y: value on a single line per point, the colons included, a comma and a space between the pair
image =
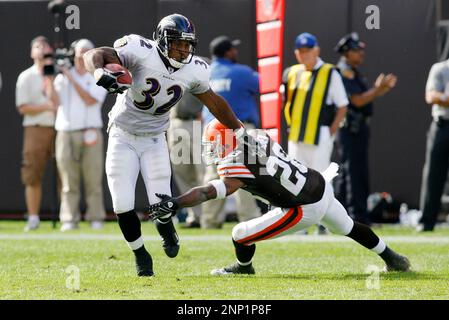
x: 395, y: 262
x: 191, y: 225
x: 144, y: 263
x: 235, y: 268
x: 170, y: 239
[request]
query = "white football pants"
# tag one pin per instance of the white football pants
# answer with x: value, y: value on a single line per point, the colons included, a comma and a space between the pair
x: 282, y: 221
x: 128, y: 155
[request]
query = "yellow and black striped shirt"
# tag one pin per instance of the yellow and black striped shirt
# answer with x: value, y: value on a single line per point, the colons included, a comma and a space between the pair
x: 305, y: 108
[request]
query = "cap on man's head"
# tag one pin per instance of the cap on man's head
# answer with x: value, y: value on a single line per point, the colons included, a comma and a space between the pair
x: 222, y: 44
x: 305, y: 40
x: 349, y: 42
x: 83, y: 44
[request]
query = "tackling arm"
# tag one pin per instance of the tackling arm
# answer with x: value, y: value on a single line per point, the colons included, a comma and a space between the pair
x: 191, y: 198
x: 219, y: 108
x: 201, y: 194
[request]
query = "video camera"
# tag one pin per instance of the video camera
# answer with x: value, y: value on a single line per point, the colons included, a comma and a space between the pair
x: 62, y: 57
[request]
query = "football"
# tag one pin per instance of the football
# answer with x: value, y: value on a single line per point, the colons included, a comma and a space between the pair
x: 125, y: 78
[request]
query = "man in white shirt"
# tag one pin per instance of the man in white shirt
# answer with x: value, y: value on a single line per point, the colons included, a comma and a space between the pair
x: 79, y: 141
x: 315, y: 105
x: 33, y: 90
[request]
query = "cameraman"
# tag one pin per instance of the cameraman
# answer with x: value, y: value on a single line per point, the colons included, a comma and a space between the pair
x: 79, y: 141
x: 33, y: 91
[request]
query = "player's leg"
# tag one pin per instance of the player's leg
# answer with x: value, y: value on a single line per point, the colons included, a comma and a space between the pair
x: 156, y: 173
x: 273, y: 224
x: 93, y: 171
x: 337, y: 220
x: 122, y: 169
x: 68, y: 156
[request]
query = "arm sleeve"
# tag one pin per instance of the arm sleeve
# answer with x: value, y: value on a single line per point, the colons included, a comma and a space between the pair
x: 201, y: 71
x: 234, y: 170
x: 59, y: 83
x: 130, y: 50
x: 337, y: 90
x: 22, y: 92
x: 252, y: 80
x: 435, y: 81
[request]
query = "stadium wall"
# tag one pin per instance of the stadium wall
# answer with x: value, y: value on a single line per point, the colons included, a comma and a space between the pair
x: 405, y: 44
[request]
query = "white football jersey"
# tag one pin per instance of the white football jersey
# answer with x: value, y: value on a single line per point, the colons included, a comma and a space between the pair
x: 143, y: 108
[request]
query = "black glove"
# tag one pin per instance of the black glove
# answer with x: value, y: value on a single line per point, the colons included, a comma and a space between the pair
x: 168, y: 205
x: 108, y: 80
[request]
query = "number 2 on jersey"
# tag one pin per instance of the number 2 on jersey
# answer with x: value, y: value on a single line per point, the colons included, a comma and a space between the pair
x: 155, y: 88
x: 289, y: 172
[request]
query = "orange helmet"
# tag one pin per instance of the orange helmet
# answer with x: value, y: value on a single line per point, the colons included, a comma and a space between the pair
x: 218, y: 141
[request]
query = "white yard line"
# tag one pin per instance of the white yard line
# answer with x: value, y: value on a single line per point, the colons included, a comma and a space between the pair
x: 208, y: 238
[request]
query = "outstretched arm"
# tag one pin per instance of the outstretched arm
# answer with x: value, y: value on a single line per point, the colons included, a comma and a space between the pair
x: 201, y: 194
x: 212, y: 190
x: 219, y: 108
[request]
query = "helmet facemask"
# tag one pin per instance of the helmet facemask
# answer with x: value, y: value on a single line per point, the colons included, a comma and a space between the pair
x: 166, y: 44
x: 217, y: 145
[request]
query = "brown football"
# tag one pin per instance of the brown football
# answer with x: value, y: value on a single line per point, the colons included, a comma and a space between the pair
x: 126, y: 78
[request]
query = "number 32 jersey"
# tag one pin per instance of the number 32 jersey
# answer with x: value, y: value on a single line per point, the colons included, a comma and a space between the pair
x: 143, y: 108
x: 272, y: 175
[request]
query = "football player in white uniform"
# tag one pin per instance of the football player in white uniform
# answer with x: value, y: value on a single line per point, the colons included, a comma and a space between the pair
x: 162, y: 70
x: 302, y: 196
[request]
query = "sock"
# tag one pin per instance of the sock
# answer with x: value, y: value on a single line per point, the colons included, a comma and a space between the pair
x: 130, y: 225
x: 386, y: 254
x: 366, y: 237
x: 33, y: 218
x: 244, y: 253
x: 140, y: 251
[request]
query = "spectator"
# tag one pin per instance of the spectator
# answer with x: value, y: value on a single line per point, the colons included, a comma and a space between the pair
x: 79, y: 141
x: 187, y: 170
x: 33, y: 90
x: 352, y: 185
x: 315, y: 104
x: 238, y: 85
x: 437, y: 151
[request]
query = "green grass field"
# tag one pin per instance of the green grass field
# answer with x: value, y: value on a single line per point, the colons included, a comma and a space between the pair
x: 44, y: 264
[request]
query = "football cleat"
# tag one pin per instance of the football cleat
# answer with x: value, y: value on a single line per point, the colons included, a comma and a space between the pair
x: 144, y: 264
x: 170, y: 239
x: 235, y: 268
x: 396, y: 262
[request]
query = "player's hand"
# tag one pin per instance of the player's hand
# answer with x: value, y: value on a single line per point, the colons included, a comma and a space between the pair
x: 168, y: 205
x: 108, y: 80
